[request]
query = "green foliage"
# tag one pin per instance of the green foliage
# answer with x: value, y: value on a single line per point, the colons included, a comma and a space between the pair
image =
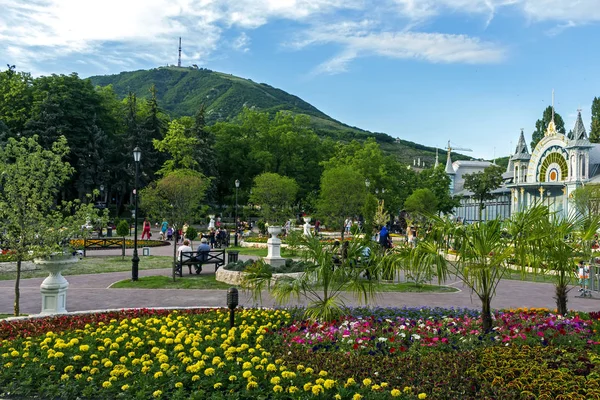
x: 595, y: 126
x: 343, y: 195
x: 438, y: 181
x: 587, y: 200
x: 541, y: 125
x: 483, y: 183
x: 275, y: 195
x: 192, y: 233
x: 123, y: 228
x: 180, y: 147
x: 421, y: 202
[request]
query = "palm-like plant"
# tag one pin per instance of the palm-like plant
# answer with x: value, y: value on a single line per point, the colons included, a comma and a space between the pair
x: 324, y: 283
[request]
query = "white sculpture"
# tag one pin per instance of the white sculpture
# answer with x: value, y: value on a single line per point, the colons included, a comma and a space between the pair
x: 307, y: 231
x: 211, y: 224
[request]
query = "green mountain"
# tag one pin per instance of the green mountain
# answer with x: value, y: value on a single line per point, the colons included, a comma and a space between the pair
x: 181, y: 91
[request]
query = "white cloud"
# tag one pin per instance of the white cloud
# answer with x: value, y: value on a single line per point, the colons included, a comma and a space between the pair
x: 242, y: 43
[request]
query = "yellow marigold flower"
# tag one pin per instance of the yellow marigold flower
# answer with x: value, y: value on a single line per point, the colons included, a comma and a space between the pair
x: 329, y: 383
x: 68, y: 368
x: 366, y: 382
x: 422, y: 396
x: 292, y: 389
x: 59, y: 354
x: 77, y: 358
x: 64, y: 377
x: 157, y: 393
x: 179, y: 385
x: 124, y: 387
x: 251, y: 385
x: 357, y: 396
x: 233, y: 378
x: 407, y: 389
x: 275, y: 380
x: 106, y: 384
x: 108, y: 364
x: 93, y: 371
x: 158, y: 374
x: 277, y: 389
x: 247, y: 365
x: 300, y: 367
x: 322, y: 373
x: 309, y: 370
x: 78, y: 376
x: 247, y: 374
x: 337, y: 396
x: 217, y: 385
x: 14, y: 353
x: 271, y: 367
x: 307, y: 386
x: 84, y: 347
x: 317, y: 389
x: 350, y: 382
x: 209, y: 371
x: 165, y: 366
x: 375, y: 387
x: 384, y: 384
x: 395, y: 393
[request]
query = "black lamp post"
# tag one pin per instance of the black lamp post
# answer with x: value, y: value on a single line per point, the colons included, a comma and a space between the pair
x: 232, y: 302
x: 235, y: 240
x: 135, y: 261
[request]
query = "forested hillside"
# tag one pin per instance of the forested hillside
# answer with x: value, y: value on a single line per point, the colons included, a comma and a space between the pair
x: 181, y: 91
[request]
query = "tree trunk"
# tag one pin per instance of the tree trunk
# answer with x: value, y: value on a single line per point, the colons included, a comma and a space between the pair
x: 176, y: 239
x: 17, y: 310
x: 480, y: 210
x: 343, y: 230
x: 486, y: 314
x: 561, y: 299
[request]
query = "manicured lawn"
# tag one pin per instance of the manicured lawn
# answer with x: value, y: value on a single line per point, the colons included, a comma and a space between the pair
x: 98, y: 264
x: 408, y: 287
x: 166, y: 282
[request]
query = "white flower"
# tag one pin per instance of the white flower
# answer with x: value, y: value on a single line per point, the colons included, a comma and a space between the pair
x: 415, y: 336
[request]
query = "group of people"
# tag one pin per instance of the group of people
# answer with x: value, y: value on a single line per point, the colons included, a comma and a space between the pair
x: 217, y: 237
x: 166, y: 231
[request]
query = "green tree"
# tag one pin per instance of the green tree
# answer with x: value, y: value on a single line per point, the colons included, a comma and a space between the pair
x: 541, y: 125
x: 177, y: 197
x: 180, y: 147
x: 30, y: 177
x: 343, y: 195
x: 437, y: 180
x: 16, y: 98
x: 595, y: 126
x: 275, y: 195
x: 483, y: 183
x: 421, y: 202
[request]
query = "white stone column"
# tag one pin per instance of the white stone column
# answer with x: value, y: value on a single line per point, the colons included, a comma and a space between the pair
x: 54, y: 287
x: 274, y: 248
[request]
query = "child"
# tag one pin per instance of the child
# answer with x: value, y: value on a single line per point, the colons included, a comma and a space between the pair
x: 170, y: 233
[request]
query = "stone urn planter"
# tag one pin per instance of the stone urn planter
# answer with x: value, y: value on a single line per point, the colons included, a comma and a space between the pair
x: 54, y: 287
x: 274, y: 247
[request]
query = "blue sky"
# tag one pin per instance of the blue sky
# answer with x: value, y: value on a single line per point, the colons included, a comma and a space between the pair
x: 470, y: 71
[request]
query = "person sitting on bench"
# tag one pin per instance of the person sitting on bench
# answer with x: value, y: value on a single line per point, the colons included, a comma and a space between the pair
x: 185, y: 247
x: 203, y: 250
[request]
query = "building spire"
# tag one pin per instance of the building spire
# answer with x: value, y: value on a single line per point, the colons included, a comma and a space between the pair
x: 436, y: 159
x: 551, y: 131
x: 579, y: 129
x: 449, y: 169
x: 521, y: 152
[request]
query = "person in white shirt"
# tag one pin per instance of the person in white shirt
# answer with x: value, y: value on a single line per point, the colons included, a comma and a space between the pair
x: 184, y: 247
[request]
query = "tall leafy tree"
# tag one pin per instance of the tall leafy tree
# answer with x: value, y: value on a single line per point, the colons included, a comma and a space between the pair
x: 275, y: 194
x: 30, y: 177
x: 16, y: 98
x: 343, y: 194
x: 595, y: 126
x: 205, y: 150
x: 436, y: 180
x: 180, y: 147
x: 483, y: 183
x: 177, y: 197
x: 421, y: 202
x: 542, y: 124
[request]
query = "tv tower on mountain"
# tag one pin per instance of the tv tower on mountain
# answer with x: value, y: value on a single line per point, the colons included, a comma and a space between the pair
x: 179, y: 58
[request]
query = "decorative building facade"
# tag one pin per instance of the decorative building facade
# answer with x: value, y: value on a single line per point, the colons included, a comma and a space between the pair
x: 557, y: 166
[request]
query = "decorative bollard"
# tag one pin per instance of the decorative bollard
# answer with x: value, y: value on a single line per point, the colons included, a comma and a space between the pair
x: 232, y: 302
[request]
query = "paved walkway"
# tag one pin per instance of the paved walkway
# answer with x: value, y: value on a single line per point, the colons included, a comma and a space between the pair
x: 92, y: 292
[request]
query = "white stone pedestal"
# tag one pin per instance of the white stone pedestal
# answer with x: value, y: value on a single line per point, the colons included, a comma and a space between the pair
x: 54, y: 287
x: 274, y: 247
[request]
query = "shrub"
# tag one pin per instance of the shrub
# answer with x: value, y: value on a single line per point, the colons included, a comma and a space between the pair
x: 239, y: 265
x: 123, y: 228
x: 192, y: 233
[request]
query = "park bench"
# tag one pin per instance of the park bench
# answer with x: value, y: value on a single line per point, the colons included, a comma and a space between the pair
x: 104, y: 243
x: 198, y: 259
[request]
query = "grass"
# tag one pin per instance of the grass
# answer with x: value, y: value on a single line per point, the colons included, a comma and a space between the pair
x: 2, y: 316
x: 201, y: 281
x: 409, y: 287
x: 98, y: 264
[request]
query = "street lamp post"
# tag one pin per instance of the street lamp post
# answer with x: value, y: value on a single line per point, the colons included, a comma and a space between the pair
x: 235, y: 239
x: 135, y: 261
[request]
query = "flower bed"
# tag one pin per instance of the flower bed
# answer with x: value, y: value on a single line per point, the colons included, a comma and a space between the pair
x: 370, y: 354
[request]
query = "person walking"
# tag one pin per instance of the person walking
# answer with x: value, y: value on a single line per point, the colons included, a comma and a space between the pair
x: 146, y: 229
x: 163, y: 229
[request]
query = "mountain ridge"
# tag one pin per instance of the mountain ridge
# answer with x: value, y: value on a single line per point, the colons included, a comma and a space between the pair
x: 181, y: 91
